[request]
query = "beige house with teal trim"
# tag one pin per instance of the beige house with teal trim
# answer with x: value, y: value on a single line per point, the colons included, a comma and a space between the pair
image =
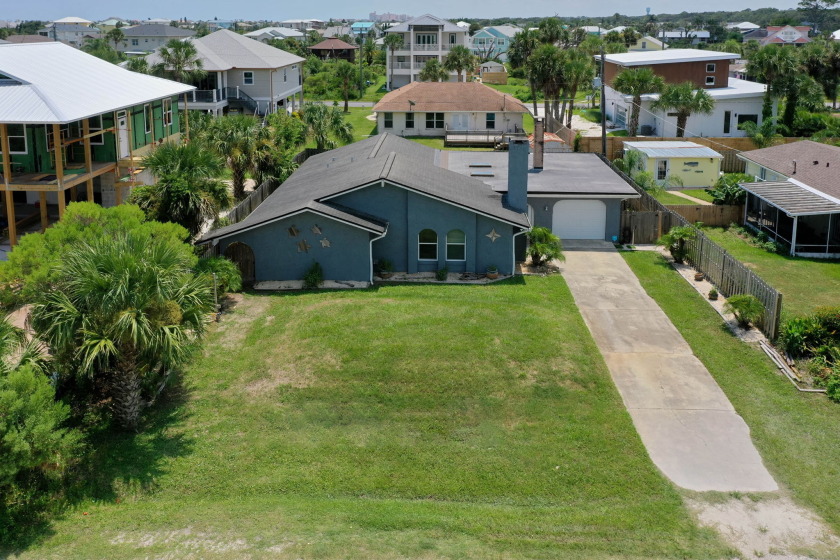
x: 685, y: 164
x: 74, y: 127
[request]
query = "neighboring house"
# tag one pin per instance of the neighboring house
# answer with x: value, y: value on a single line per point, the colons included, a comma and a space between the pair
x: 836, y: 35
x: 786, y: 35
x: 112, y: 23
x: 18, y: 39
x: 594, y: 30
x: 303, y: 24
x: 493, y: 42
x: 736, y: 101
x: 73, y: 34
x: 150, y: 36
x: 267, y: 34
x: 647, y: 43
x: 685, y: 164
x: 695, y: 37
x: 362, y: 28
x: 244, y: 75
x: 59, y: 135
x: 332, y: 49
x: 493, y: 73
x: 743, y: 27
x: 337, y: 31
x: 73, y: 20
x: 424, y: 38
x: 552, y: 144
x: 421, y: 209
x: 449, y: 108
x: 796, y: 197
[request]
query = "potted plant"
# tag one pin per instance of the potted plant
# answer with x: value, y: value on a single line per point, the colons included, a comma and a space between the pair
x: 492, y: 272
x: 713, y: 294
x: 698, y: 276
x: 385, y: 268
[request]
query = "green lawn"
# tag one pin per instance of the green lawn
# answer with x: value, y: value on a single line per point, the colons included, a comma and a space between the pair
x: 699, y: 193
x: 592, y: 115
x: 667, y: 198
x: 617, y: 133
x: 421, y: 421
x: 363, y: 127
x: 437, y: 143
x: 796, y: 433
x: 805, y: 283
x: 375, y: 91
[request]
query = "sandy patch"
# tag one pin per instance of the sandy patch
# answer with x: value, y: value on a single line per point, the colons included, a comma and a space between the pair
x: 184, y: 541
x: 243, y: 311
x: 773, y: 528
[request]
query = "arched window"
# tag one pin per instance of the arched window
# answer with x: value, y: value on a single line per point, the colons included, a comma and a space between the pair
x: 427, y: 245
x: 456, y: 245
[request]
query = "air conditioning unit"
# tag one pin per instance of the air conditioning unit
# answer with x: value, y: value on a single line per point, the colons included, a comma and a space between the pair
x: 647, y: 130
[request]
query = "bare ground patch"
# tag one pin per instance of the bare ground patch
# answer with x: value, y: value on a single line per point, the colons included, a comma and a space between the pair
x: 183, y: 543
x: 242, y: 312
x: 773, y: 528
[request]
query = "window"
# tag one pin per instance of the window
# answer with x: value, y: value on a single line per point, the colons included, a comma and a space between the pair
x: 148, y: 117
x: 95, y: 125
x: 710, y: 80
x: 762, y: 174
x: 426, y: 38
x: 167, y: 112
x: 644, y: 44
x: 17, y: 138
x: 134, y: 42
x: 389, y: 120
x: 427, y: 245
x: 248, y: 78
x: 434, y: 120
x: 710, y: 68
x: 456, y: 245
x: 727, y: 121
x: 490, y: 121
x: 452, y: 39
x: 409, y: 120
x: 284, y: 74
x: 661, y: 169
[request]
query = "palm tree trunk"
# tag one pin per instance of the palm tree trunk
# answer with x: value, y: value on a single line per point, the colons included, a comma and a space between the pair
x: 571, y: 112
x: 533, y: 95
x: 634, y: 116
x: 126, y: 391
x: 237, y: 172
x: 682, y: 119
x: 547, y: 111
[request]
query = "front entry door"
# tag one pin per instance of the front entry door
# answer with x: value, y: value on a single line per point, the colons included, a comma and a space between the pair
x: 460, y: 121
x: 122, y: 131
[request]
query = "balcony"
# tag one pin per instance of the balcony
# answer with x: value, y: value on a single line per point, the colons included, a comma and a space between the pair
x: 206, y: 95
x: 401, y: 66
x: 434, y: 47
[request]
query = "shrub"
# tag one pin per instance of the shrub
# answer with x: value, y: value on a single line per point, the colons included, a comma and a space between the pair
x: 829, y: 318
x: 801, y: 335
x: 675, y: 241
x: 746, y: 308
x: 544, y: 246
x: 442, y: 274
x: 727, y: 191
x: 832, y: 385
x: 228, y: 275
x: 384, y: 265
x: 314, y: 276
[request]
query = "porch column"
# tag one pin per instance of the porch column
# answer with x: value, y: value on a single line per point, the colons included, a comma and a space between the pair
x: 59, y: 168
x: 793, y: 237
x: 45, y: 221
x: 7, y: 177
x: 88, y: 158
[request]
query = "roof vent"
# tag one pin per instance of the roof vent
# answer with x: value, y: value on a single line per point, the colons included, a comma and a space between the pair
x: 816, y: 162
x: 794, y: 167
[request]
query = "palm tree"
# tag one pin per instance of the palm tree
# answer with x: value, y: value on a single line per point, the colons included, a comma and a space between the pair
x: 545, y: 68
x: 685, y: 100
x: 550, y: 31
x: 17, y: 351
x: 241, y: 140
x: 345, y: 74
x: 187, y: 191
x: 636, y: 82
x: 771, y: 64
x: 326, y: 125
x: 179, y: 59
x: 433, y: 71
x: 116, y: 36
x: 393, y: 42
x: 458, y: 60
x: 522, y: 46
x: 578, y: 69
x: 139, y: 64
x: 127, y: 311
x: 821, y: 60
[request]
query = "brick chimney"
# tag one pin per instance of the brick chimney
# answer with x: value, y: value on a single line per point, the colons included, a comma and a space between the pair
x: 517, y: 195
x: 539, y: 142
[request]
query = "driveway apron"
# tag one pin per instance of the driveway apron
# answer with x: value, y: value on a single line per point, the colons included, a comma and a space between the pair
x: 687, y: 424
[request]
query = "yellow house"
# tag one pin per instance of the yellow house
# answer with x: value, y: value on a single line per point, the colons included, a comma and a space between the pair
x: 679, y: 164
x: 646, y: 43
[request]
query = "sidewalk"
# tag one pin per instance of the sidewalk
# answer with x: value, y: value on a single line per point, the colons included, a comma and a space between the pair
x: 687, y: 424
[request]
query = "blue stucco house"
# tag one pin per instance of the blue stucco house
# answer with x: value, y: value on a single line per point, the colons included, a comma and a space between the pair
x: 382, y: 198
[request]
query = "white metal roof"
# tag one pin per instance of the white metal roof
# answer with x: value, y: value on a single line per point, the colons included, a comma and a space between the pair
x: 279, y: 32
x: 669, y: 56
x: 73, y: 19
x: 55, y: 83
x: 673, y: 149
x: 737, y: 89
x: 743, y: 26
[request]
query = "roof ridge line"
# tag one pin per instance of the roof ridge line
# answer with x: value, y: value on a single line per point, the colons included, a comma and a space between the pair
x: 386, y: 168
x: 377, y: 146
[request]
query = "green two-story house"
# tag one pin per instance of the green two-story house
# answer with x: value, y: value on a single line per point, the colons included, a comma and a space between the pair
x: 73, y: 126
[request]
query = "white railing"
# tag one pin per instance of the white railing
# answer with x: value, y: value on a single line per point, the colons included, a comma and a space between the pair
x: 434, y: 47
x: 401, y: 65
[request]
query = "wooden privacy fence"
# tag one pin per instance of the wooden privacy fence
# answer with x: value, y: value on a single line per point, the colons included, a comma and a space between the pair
x: 710, y: 215
x: 644, y: 219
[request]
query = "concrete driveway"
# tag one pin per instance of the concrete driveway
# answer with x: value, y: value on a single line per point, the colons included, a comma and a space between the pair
x: 687, y: 424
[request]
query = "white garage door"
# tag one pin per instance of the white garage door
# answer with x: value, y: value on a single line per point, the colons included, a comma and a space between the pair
x: 579, y: 219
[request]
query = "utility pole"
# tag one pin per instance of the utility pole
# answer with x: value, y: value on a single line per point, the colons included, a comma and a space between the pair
x: 603, y: 107
x: 361, y: 55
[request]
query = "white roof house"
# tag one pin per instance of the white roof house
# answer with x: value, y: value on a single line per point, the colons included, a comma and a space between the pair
x: 42, y: 85
x: 743, y: 26
x: 275, y: 33
x: 73, y: 19
x: 658, y: 149
x: 668, y: 56
x: 737, y: 89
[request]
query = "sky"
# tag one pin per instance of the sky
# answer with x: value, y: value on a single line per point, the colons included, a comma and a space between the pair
x: 273, y: 10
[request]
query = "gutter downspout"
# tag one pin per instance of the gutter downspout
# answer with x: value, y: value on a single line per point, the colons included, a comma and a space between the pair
x: 384, y: 233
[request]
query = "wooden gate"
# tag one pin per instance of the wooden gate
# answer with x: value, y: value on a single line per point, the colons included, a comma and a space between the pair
x: 243, y: 256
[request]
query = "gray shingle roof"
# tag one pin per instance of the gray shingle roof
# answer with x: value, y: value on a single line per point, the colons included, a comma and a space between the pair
x: 812, y: 163
x: 156, y: 30
x: 426, y: 19
x: 380, y: 158
x: 793, y: 199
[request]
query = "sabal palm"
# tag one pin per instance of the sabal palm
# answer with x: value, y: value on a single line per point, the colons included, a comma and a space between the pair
x: 187, y: 191
x: 545, y: 68
x: 346, y: 74
x: 522, y: 46
x: 241, y: 140
x: 16, y: 350
x: 433, y: 71
x: 458, y: 60
x: 326, y: 125
x: 762, y: 136
x: 392, y: 42
x: 116, y: 36
x: 180, y: 60
x: 127, y: 310
x: 685, y: 101
x: 771, y: 64
x: 637, y: 82
x: 578, y: 70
